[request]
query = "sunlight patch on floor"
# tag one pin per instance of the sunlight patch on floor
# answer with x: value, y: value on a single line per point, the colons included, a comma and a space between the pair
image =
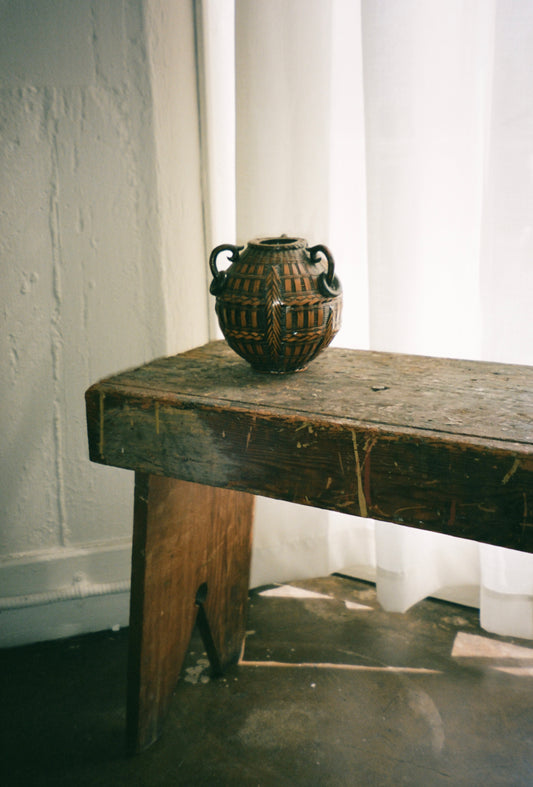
x: 475, y: 646
x: 359, y: 607
x: 333, y: 666
x: 289, y: 591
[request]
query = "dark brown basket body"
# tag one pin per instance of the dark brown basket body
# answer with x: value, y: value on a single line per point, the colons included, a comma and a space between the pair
x: 271, y: 309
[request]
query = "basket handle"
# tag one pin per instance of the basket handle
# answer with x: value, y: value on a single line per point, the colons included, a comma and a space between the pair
x: 328, y: 283
x: 220, y: 277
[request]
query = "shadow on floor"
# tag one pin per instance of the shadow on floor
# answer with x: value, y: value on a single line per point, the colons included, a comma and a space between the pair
x: 331, y: 691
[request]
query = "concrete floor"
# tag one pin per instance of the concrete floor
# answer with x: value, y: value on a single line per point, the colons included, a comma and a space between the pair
x: 332, y: 691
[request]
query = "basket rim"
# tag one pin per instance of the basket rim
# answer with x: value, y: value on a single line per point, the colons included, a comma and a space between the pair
x: 278, y: 243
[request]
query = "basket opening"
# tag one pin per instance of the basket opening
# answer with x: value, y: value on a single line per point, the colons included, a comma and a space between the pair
x: 277, y: 241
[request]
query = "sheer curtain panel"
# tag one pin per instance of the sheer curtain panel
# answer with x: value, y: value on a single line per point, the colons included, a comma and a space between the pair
x: 401, y: 135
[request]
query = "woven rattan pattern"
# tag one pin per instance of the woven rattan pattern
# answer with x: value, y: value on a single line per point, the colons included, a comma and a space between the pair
x: 271, y: 311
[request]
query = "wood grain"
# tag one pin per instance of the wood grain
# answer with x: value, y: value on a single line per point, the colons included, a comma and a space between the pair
x: 185, y: 536
x: 440, y: 444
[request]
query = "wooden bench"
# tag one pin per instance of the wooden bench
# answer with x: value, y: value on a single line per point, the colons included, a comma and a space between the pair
x: 443, y: 445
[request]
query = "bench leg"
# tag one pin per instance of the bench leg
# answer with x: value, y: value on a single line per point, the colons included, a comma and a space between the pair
x: 191, y: 551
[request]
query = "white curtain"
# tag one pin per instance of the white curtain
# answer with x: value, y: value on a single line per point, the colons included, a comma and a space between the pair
x: 400, y: 134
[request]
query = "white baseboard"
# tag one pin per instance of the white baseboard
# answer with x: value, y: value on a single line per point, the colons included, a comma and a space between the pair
x: 64, y: 592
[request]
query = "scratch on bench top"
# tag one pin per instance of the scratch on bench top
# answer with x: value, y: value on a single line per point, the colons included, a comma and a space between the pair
x: 369, y: 445
x: 512, y: 471
x: 360, y: 490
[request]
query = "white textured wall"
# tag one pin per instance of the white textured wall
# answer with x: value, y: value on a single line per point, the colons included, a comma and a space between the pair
x: 90, y: 271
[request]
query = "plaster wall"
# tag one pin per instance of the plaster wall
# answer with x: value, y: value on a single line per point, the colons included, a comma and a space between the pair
x: 91, y: 221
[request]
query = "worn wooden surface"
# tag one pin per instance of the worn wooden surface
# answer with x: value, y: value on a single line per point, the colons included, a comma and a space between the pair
x: 445, y: 445
x: 186, y: 538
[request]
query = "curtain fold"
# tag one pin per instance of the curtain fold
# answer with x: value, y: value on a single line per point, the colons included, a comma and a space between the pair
x: 401, y: 135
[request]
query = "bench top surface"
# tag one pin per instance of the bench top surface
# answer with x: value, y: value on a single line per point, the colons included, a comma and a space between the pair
x: 457, y: 399
x: 445, y: 445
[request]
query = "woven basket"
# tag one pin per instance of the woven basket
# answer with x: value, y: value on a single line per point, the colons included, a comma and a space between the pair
x: 279, y: 303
